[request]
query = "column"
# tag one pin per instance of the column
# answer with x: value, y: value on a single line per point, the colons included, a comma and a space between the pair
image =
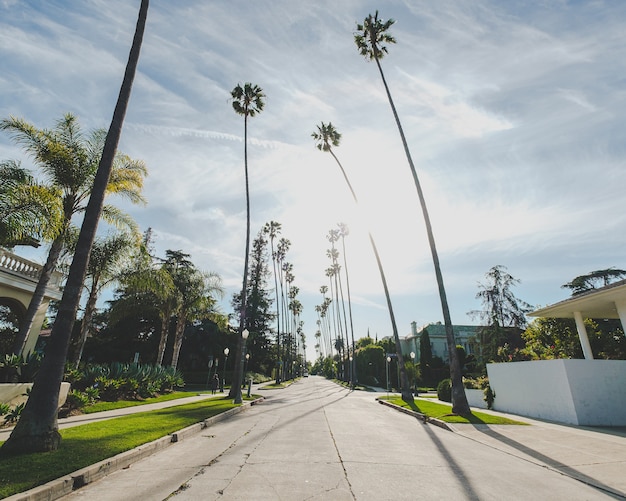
x: 582, y: 335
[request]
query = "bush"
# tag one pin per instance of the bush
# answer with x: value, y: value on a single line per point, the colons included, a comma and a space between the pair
x: 489, y: 397
x: 444, y: 390
x: 76, y: 400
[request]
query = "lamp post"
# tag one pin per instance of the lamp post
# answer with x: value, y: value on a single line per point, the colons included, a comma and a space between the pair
x: 226, y: 352
x: 415, y: 379
x: 388, y: 359
x: 351, y: 372
x: 238, y: 398
x: 245, y: 367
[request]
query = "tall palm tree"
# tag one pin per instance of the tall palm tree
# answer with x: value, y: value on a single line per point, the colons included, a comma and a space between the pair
x: 272, y: 229
x: 247, y: 101
x: 69, y: 161
x: 37, y: 429
x: 107, y: 258
x: 326, y: 137
x: 343, y: 233
x: 370, y: 40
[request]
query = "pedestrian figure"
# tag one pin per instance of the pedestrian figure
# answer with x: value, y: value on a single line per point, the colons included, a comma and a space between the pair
x: 215, y: 384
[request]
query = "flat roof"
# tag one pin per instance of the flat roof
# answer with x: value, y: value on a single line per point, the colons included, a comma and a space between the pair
x: 596, y: 303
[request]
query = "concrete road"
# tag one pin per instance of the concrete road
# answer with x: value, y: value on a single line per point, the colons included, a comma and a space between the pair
x: 318, y: 441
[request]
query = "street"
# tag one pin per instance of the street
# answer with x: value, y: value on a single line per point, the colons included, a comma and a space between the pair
x: 318, y: 441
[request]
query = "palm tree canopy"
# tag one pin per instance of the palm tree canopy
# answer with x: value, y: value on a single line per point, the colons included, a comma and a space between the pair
x: 372, y: 35
x: 326, y: 136
x: 248, y: 100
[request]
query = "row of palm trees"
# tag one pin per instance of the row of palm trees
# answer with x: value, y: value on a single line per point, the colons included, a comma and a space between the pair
x: 335, y: 325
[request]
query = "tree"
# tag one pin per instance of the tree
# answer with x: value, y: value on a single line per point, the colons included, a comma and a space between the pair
x: 107, y: 258
x: 37, y: 429
x: 29, y: 211
x: 370, y: 40
x: 426, y: 354
x: 343, y: 233
x: 602, y: 278
x: 258, y: 305
x: 272, y: 229
x: 326, y: 137
x: 501, y: 311
x: 69, y: 161
x: 247, y: 101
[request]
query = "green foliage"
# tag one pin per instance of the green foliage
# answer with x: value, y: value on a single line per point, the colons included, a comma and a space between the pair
x: 444, y: 390
x: 19, y: 369
x: 489, y: 397
x: 76, y: 400
x: 14, y: 414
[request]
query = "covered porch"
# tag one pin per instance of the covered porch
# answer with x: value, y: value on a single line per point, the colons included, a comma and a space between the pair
x: 580, y: 392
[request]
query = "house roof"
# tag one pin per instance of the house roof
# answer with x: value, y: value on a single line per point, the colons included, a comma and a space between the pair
x: 596, y: 303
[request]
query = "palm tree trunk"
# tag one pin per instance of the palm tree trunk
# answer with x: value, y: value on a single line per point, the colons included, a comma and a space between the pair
x: 90, y: 308
x: 38, y: 295
x: 37, y: 429
x: 242, y: 316
x: 459, y: 400
x: 178, y: 339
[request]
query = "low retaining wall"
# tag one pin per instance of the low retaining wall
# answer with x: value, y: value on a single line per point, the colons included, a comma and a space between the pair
x: 15, y: 393
x: 579, y: 392
x: 475, y: 398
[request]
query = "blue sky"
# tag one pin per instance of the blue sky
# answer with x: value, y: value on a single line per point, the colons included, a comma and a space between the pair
x: 514, y: 113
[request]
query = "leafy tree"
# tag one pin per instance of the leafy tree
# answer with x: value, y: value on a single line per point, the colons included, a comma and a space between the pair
x: 247, y: 101
x: 258, y: 315
x: 502, y: 312
x: 29, y: 211
x: 37, y: 429
x: 108, y: 256
x: 326, y: 137
x: 370, y: 40
x: 69, y: 161
x: 594, y: 279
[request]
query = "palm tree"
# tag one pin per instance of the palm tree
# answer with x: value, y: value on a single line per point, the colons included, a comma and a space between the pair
x: 108, y: 255
x: 37, y: 429
x: 247, y: 101
x: 343, y: 233
x: 69, y: 161
x: 370, y: 40
x: 326, y: 137
x: 29, y: 210
x: 272, y: 229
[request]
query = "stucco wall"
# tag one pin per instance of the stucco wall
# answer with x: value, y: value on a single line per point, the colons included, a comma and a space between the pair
x: 580, y: 392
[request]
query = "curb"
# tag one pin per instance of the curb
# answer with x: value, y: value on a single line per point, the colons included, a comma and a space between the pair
x: 65, y: 485
x: 422, y: 417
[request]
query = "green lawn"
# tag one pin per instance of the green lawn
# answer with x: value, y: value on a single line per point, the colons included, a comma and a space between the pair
x: 443, y: 412
x: 87, y: 444
x: 107, y: 406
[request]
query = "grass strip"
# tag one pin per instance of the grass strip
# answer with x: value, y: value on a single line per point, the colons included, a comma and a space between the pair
x: 87, y: 444
x: 120, y: 404
x: 443, y: 412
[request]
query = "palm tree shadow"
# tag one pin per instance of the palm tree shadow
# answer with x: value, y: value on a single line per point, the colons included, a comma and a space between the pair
x: 550, y: 462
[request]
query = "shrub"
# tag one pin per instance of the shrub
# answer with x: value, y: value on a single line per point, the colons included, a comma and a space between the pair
x: 76, y: 400
x: 14, y: 414
x: 489, y: 397
x: 444, y: 390
x: 4, y: 408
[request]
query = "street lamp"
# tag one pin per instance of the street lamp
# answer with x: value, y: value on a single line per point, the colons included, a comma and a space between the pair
x: 351, y: 373
x: 238, y: 380
x: 245, y: 368
x: 226, y: 352
x: 388, y: 360
x: 413, y: 362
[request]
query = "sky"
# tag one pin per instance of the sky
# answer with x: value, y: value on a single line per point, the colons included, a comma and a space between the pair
x: 514, y: 113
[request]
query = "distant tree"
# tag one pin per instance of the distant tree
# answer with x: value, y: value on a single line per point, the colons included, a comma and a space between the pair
x: 107, y: 259
x: 259, y: 318
x: 426, y: 354
x: 590, y: 281
x: 37, y: 429
x: 501, y: 312
x: 325, y: 138
x: 370, y: 40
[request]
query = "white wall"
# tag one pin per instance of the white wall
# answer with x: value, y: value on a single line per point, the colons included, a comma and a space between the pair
x: 580, y: 392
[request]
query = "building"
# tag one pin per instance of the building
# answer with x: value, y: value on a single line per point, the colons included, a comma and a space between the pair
x: 463, y: 335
